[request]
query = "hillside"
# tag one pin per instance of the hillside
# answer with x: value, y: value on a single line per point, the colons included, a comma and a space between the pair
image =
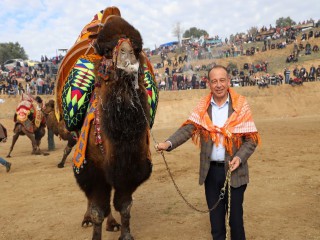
x: 275, y: 57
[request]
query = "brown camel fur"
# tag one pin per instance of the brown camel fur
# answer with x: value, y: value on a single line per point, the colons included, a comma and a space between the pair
x: 122, y: 161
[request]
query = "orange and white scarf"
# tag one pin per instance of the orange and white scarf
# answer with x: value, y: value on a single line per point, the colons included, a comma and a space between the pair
x: 239, y: 124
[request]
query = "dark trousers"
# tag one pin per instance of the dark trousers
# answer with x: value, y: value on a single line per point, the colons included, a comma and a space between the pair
x: 213, y: 184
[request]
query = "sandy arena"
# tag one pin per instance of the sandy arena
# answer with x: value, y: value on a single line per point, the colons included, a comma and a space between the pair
x: 282, y: 201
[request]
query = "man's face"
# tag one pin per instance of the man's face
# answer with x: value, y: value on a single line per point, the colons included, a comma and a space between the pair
x: 219, y: 83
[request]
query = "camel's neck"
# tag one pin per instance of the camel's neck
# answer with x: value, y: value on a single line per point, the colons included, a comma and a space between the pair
x: 124, y: 115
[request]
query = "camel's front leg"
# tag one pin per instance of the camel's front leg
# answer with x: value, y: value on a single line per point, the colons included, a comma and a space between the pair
x: 14, y: 140
x: 123, y: 203
x: 125, y: 222
x: 112, y: 225
x: 66, y: 152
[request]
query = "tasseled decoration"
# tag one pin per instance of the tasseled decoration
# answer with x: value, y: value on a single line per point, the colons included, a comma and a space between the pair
x: 228, y: 138
x: 104, y: 68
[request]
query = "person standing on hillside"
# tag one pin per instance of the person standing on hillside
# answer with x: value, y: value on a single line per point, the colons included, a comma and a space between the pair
x: 3, y: 138
x: 222, y: 123
x: 287, y: 75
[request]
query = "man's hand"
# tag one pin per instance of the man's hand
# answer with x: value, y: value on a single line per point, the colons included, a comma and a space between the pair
x: 162, y: 146
x: 234, y: 163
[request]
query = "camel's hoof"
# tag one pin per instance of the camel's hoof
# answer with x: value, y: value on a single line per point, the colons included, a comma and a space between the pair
x: 45, y: 154
x: 86, y: 222
x: 113, y: 227
x: 8, y: 156
x: 127, y: 236
x: 36, y: 153
x: 60, y: 165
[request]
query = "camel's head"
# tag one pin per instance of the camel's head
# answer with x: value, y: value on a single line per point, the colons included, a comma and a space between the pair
x: 49, y: 107
x: 120, y: 45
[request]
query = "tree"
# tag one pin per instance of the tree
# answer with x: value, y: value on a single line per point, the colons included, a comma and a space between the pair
x: 285, y: 22
x: 195, y: 32
x: 253, y: 31
x: 11, y: 50
x: 177, y: 31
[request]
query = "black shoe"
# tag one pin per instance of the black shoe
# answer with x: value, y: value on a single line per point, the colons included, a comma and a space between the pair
x: 8, y: 166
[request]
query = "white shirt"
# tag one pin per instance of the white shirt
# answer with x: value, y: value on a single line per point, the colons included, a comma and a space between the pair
x: 219, y: 117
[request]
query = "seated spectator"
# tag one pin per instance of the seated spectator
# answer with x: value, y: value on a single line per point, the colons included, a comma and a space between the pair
x: 296, y: 71
x: 11, y: 90
x: 291, y: 58
x: 315, y: 48
x: 301, y: 47
x: 308, y: 49
x: 2, y: 88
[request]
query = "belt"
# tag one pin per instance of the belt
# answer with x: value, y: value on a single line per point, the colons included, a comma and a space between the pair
x: 217, y: 164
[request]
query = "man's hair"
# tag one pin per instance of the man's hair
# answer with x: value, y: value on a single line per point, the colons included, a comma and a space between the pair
x: 218, y: 66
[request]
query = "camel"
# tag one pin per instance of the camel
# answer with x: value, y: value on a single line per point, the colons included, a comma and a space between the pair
x: 59, y: 129
x: 113, y: 150
x: 29, y: 124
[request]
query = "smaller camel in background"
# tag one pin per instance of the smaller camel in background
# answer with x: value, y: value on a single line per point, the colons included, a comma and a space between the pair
x: 58, y: 129
x: 30, y: 120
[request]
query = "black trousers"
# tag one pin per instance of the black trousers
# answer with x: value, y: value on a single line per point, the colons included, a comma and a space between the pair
x: 213, y: 184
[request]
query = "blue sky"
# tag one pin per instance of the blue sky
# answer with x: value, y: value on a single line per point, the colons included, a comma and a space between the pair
x: 43, y: 26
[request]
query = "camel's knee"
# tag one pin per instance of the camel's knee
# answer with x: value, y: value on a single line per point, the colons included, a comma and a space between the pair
x: 125, y: 209
x: 97, y: 215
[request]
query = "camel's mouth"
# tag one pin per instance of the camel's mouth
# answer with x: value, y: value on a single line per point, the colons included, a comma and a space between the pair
x: 129, y: 74
x: 128, y: 67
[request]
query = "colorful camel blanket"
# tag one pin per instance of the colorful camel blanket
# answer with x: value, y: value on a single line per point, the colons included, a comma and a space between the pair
x: 80, y: 150
x: 239, y: 124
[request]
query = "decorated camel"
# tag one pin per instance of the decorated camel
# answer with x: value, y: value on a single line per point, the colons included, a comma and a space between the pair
x: 106, y: 88
x: 59, y: 129
x: 29, y: 120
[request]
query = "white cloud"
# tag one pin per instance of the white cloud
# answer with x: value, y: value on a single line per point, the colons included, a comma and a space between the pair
x: 43, y: 26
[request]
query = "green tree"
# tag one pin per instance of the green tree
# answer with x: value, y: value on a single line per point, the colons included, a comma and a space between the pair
x: 11, y: 50
x: 195, y: 32
x: 285, y: 22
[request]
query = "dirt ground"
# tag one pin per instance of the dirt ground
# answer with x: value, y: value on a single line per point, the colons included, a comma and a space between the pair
x: 282, y: 201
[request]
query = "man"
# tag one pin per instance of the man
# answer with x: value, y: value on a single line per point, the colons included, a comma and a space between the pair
x: 312, y: 73
x: 287, y: 75
x: 228, y: 137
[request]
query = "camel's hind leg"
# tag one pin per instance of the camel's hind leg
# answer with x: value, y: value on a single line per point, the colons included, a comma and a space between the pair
x: 35, y: 147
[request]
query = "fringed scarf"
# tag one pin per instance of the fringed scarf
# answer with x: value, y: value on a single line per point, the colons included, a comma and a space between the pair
x: 239, y: 124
